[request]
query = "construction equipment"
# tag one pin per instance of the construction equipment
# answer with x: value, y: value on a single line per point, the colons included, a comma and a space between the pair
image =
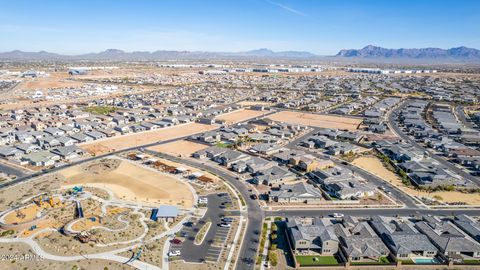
x: 50, y: 201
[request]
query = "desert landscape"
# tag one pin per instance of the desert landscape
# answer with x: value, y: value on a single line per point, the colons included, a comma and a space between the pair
x: 131, y: 182
x: 317, y: 120
x: 179, y: 148
x: 135, y: 139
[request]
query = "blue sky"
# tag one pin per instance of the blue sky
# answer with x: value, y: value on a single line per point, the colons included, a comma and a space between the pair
x: 320, y: 26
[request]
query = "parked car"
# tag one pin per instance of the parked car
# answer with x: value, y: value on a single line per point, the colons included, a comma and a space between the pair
x: 174, y: 253
x: 227, y: 219
x: 253, y: 196
x: 225, y: 225
x: 176, y: 241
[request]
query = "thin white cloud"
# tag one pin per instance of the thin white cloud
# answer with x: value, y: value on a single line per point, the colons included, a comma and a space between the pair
x: 287, y: 8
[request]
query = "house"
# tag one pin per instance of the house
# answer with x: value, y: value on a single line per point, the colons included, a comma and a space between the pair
x: 264, y: 148
x: 342, y: 183
x: 95, y: 134
x: 229, y: 157
x: 274, y: 175
x: 66, y: 141
x: 359, y: 242
x: 312, y: 236
x: 81, y: 137
x: 68, y: 152
x: 41, y: 159
x: 9, y: 152
x: 295, y: 193
x: 48, y: 142
x: 402, y: 239
x: 27, y: 148
x: 252, y: 165
x: 449, y: 239
x: 469, y: 225
x: 55, y: 132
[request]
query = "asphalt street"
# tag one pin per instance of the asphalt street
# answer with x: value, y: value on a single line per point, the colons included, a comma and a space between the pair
x: 206, y: 250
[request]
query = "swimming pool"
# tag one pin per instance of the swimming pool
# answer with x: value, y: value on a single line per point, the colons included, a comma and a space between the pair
x: 425, y: 260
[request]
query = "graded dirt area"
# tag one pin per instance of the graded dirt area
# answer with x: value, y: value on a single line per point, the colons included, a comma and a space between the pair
x: 134, y: 183
x: 147, y: 137
x: 317, y: 120
x: 240, y: 115
x: 374, y: 165
x: 54, y: 80
x: 255, y: 103
x: 26, y: 214
x: 177, y: 148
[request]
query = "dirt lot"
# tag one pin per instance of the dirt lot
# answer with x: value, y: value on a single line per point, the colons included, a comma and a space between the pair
x: 316, y: 120
x: 254, y: 103
x: 240, y: 115
x: 375, y: 166
x: 133, y: 183
x: 183, y: 148
x: 56, y: 79
x: 135, y: 139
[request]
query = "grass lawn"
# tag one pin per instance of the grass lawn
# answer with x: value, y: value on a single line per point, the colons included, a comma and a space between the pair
x: 306, y: 260
x: 382, y: 260
x: 101, y: 109
x: 471, y: 261
x: 223, y: 145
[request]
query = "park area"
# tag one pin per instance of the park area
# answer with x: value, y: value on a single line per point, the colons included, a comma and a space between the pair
x: 147, y: 137
x: 317, y: 120
x: 131, y: 182
x: 375, y: 166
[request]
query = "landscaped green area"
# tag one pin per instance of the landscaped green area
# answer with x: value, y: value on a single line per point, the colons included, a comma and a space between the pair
x: 382, y: 260
x: 471, y: 261
x: 202, y: 232
x: 307, y: 260
x: 223, y: 145
x: 101, y: 109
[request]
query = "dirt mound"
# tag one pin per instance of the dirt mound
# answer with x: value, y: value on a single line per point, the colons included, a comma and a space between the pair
x: 102, y: 166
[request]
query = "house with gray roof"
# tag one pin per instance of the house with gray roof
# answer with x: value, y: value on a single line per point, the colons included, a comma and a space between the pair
x: 295, y: 193
x: 274, y: 175
x: 469, y: 225
x: 401, y: 237
x: 360, y: 243
x: 312, y: 236
x: 449, y: 239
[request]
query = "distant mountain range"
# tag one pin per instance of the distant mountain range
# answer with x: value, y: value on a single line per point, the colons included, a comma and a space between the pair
x: 119, y: 55
x: 371, y: 51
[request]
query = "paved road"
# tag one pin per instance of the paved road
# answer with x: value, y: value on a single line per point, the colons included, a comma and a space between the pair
x: 11, y: 170
x: 372, y: 212
x: 248, y: 250
x: 460, y: 113
x: 393, y: 125
x: 377, y: 181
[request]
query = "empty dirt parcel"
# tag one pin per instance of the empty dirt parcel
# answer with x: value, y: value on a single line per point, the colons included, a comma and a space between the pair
x: 137, y: 139
x: 316, y: 120
x: 131, y: 182
x: 240, y: 115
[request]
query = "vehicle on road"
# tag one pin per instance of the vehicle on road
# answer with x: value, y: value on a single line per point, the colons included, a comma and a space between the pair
x: 338, y: 215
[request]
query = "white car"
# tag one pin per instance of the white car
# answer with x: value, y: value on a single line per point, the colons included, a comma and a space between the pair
x: 337, y: 215
x: 174, y: 253
x: 203, y: 200
x: 225, y: 225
